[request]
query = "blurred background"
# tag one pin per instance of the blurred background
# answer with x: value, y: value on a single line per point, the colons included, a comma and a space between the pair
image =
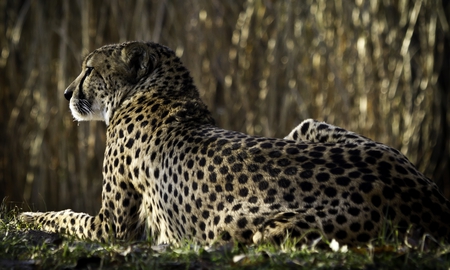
x: 377, y: 67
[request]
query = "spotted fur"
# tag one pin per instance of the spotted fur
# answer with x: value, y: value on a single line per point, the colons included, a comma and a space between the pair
x: 170, y: 173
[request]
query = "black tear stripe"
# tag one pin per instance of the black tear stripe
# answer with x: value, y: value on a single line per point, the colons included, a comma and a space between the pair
x: 81, y: 95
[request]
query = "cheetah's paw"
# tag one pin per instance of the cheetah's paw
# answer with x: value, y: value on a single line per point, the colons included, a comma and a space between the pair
x: 29, y: 217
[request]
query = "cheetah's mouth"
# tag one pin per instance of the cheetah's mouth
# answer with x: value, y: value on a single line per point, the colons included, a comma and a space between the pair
x: 84, y: 110
x: 83, y: 107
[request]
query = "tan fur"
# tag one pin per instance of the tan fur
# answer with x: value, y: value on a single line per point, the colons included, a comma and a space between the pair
x: 170, y: 173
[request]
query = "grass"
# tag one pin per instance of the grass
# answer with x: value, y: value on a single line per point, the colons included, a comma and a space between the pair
x: 22, y: 247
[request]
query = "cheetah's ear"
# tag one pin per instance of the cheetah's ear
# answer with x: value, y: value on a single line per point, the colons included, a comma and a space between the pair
x: 138, y: 59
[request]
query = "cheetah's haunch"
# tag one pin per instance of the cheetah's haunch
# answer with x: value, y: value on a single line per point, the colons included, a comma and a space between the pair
x: 171, y: 173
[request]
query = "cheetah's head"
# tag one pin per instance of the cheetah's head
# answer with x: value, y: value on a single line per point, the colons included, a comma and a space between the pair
x: 114, y: 73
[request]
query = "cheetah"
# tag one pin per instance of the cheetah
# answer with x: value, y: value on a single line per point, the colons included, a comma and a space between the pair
x: 311, y: 130
x: 171, y: 174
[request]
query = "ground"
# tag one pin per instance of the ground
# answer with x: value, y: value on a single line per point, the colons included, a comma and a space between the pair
x: 23, y: 248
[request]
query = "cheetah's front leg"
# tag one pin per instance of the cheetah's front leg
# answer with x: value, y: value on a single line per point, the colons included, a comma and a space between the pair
x: 118, y: 218
x: 80, y: 225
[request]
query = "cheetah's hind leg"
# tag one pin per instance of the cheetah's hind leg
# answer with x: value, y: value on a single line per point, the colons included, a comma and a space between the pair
x: 293, y: 227
x: 313, y: 131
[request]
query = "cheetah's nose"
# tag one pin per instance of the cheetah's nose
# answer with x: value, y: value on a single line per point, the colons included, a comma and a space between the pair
x: 68, y: 94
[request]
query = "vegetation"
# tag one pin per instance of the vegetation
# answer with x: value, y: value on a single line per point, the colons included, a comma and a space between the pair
x: 26, y: 248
